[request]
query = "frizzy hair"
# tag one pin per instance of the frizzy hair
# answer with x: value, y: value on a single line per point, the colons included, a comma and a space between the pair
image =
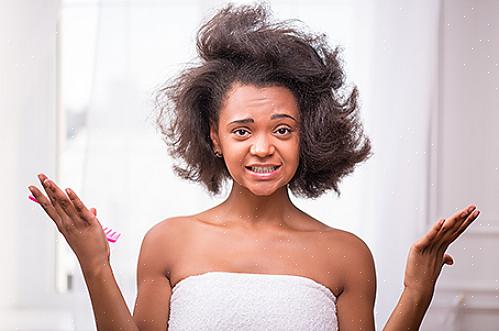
x: 242, y: 44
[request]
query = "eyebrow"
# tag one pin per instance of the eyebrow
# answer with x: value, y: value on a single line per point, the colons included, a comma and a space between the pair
x: 273, y: 117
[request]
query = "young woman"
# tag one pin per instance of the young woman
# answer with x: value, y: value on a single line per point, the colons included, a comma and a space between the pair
x: 264, y: 109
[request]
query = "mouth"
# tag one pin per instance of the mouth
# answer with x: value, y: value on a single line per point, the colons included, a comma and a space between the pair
x: 263, y: 170
x: 263, y: 173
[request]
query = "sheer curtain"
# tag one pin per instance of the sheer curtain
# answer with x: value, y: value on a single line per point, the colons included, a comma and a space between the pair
x: 112, y: 153
x: 114, y: 157
x: 400, y: 85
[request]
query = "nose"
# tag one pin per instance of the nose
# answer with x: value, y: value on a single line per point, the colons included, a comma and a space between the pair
x: 262, y: 147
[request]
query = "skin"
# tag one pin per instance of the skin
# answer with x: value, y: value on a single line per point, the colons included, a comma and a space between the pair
x: 257, y: 221
x: 262, y: 204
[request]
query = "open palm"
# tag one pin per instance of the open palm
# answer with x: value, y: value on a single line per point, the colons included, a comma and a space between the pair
x: 78, y: 224
x: 427, y: 255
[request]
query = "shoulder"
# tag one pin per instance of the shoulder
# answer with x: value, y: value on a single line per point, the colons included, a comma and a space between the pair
x: 357, y: 262
x: 153, y: 271
x: 350, y: 242
x: 347, y: 245
x: 355, y: 303
x: 166, y: 239
x: 170, y: 231
x: 176, y: 231
x: 168, y: 227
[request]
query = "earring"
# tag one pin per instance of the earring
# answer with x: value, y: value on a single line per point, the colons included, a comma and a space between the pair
x: 218, y: 154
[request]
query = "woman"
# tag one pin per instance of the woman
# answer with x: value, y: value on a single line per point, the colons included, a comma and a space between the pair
x: 263, y: 108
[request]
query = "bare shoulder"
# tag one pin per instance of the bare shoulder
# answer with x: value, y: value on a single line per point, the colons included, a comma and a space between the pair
x: 356, y: 302
x: 171, y: 230
x: 163, y: 233
x: 343, y: 251
x: 349, y: 241
x: 349, y: 256
x: 170, y: 227
x: 151, y: 309
x: 166, y: 240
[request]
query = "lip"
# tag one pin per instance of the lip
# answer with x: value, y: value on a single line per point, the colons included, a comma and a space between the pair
x: 263, y: 165
x: 267, y: 175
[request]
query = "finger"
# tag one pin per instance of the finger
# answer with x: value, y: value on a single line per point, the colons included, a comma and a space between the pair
x: 458, y: 216
x: 61, y: 203
x: 451, y: 225
x: 428, y: 239
x: 448, y: 259
x: 41, y: 177
x: 64, y: 201
x: 461, y: 215
x: 44, y: 181
x: 93, y: 211
x: 50, y: 195
x: 46, y: 204
x: 80, y: 207
x: 473, y: 216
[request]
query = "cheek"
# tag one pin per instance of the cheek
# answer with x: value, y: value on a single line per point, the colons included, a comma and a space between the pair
x: 235, y: 155
x: 294, y: 156
x: 292, y: 149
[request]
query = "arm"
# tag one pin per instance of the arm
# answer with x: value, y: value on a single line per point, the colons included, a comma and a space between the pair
x: 85, y: 236
x: 355, y: 304
x: 409, y: 312
x: 152, y: 304
x: 426, y: 259
x: 108, y: 304
x: 153, y: 290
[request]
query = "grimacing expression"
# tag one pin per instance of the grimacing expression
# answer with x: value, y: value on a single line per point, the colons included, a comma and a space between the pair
x: 259, y: 126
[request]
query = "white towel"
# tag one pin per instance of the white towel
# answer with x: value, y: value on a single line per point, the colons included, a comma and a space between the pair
x: 226, y: 301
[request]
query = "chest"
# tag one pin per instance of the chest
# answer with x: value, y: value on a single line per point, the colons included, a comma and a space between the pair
x: 310, y: 254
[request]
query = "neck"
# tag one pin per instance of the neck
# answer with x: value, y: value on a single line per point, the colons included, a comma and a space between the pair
x: 244, y: 208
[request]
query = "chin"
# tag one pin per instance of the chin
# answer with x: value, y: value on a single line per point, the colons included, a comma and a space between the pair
x: 262, y: 190
x: 262, y: 193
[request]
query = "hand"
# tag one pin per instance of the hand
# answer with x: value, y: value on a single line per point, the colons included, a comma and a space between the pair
x: 427, y: 255
x: 79, y: 226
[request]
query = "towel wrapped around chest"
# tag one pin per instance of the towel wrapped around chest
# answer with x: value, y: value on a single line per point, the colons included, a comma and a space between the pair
x: 224, y: 301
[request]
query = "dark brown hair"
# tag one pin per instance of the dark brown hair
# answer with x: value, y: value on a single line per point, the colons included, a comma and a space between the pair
x: 242, y: 44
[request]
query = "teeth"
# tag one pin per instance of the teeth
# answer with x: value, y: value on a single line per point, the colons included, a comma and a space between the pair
x: 263, y: 169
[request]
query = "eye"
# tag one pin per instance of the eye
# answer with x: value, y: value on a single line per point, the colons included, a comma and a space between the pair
x: 284, y: 130
x: 240, y: 130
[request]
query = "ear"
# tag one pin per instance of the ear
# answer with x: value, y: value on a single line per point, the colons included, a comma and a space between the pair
x: 214, y: 139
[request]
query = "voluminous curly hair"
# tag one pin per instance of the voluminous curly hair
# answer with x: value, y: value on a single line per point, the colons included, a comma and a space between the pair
x: 244, y: 45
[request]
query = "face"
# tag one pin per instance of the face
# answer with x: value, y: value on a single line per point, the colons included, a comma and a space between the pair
x: 258, y: 135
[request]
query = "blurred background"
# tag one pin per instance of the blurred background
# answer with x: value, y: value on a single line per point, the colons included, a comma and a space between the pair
x: 77, y: 79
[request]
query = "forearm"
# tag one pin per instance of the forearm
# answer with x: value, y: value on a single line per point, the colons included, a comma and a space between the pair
x: 108, y: 304
x: 409, y: 312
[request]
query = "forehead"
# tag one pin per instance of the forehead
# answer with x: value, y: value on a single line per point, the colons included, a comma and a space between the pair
x: 252, y: 101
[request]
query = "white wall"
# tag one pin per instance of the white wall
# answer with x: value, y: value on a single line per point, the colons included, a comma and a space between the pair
x: 466, y: 164
x: 28, y: 87
x: 399, y: 90
x: 28, y: 145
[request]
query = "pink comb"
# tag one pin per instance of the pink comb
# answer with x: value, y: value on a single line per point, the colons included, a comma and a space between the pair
x: 111, y: 235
